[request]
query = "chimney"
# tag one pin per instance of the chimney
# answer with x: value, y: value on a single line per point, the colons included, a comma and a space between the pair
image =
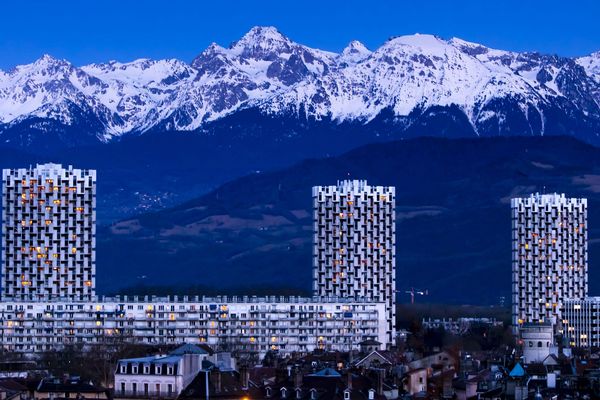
x: 216, y: 380
x: 349, y: 380
x: 297, y: 378
x: 380, y: 382
x: 245, y: 377
x: 281, y: 375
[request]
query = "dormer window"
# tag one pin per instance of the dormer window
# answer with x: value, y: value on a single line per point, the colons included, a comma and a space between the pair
x: 283, y: 393
x: 123, y: 368
x: 347, y: 394
x: 269, y: 392
x: 146, y: 369
x: 158, y: 369
x: 134, y: 369
x: 298, y: 393
x: 170, y: 370
x: 313, y: 394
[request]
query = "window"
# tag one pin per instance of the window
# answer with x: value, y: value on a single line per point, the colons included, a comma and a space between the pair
x: 145, y: 389
x: 539, y: 344
x: 134, y: 388
x: 347, y: 394
x: 123, y: 387
x: 123, y: 368
x: 170, y: 388
x: 134, y: 369
x: 157, y: 388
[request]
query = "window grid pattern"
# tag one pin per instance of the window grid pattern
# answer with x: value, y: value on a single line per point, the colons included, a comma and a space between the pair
x: 354, y: 244
x: 48, y: 233
x: 549, y: 256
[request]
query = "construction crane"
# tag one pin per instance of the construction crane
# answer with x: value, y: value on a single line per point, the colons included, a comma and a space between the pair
x: 414, y: 291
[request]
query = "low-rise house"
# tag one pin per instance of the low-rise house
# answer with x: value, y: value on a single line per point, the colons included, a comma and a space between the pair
x: 163, y: 376
x: 373, y: 360
x: 74, y: 388
x: 12, y: 389
x: 415, y: 381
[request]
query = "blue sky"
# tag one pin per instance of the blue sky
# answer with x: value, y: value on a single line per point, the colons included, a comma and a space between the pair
x: 102, y: 30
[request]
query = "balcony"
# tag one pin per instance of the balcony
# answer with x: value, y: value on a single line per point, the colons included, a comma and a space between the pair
x: 140, y: 394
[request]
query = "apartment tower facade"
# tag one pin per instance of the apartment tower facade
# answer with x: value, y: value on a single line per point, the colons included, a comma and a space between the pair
x: 354, y: 244
x: 48, y: 233
x: 549, y: 256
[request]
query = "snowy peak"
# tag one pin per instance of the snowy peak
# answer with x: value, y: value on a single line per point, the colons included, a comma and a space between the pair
x: 354, y: 52
x: 591, y: 64
x: 262, y: 43
x: 423, y: 42
x: 268, y: 72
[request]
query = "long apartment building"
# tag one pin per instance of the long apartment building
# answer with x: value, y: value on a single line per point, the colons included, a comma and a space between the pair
x: 244, y: 324
x: 354, y: 244
x: 549, y: 256
x: 48, y: 233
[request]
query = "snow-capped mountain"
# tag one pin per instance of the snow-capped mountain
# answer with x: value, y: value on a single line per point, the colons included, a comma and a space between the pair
x: 414, y: 79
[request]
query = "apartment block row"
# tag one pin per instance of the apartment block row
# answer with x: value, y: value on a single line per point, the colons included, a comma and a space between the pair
x: 244, y: 324
x: 48, y: 276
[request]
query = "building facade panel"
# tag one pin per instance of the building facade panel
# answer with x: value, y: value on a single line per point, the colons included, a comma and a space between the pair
x: 245, y: 324
x: 354, y: 243
x: 48, y: 233
x: 580, y: 323
x: 549, y: 256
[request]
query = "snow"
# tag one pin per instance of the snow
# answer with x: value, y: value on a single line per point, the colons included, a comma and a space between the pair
x: 357, y: 84
x: 591, y: 64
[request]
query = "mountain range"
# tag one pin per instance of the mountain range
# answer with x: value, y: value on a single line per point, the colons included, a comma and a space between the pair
x: 410, y: 86
x: 453, y: 219
x: 206, y: 167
